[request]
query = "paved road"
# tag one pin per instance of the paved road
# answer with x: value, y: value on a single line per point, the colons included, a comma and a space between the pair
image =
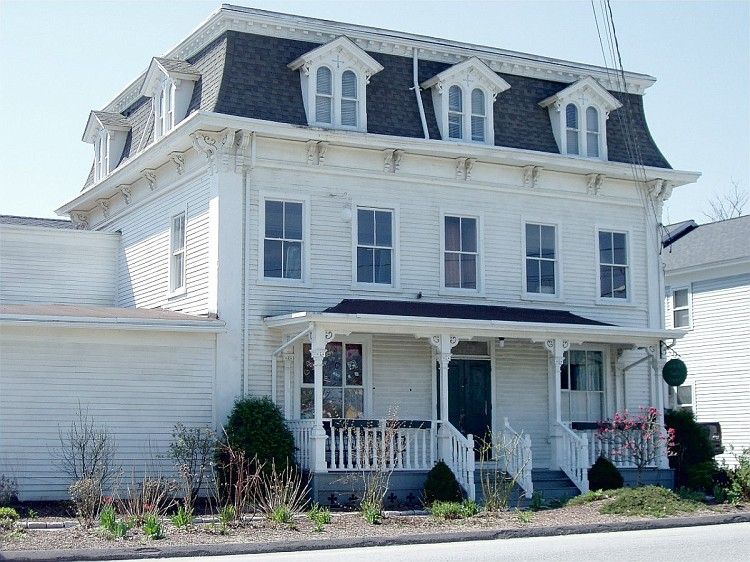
x: 715, y: 543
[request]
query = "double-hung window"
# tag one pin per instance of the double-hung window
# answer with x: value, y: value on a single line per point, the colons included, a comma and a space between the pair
x: 177, y: 253
x: 571, y: 128
x: 283, y: 240
x: 343, y: 382
x: 461, y: 255
x: 541, y: 259
x: 613, y: 265
x: 592, y: 132
x: 375, y: 246
x: 324, y: 95
x: 455, y: 113
x: 478, y: 115
x: 101, y: 153
x: 681, y: 308
x: 582, y: 386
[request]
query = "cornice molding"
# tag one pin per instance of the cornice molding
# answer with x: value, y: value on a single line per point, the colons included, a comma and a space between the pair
x: 271, y: 24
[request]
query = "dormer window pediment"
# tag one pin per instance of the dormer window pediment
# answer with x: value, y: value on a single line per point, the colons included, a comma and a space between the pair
x: 108, y: 133
x: 334, y: 80
x: 578, y: 114
x: 464, y: 96
x: 169, y: 83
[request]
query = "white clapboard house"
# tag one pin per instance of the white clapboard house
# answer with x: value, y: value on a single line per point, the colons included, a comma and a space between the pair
x: 363, y: 225
x: 708, y: 294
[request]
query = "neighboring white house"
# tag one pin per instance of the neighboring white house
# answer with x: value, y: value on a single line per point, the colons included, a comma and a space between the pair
x: 708, y: 294
x: 361, y: 222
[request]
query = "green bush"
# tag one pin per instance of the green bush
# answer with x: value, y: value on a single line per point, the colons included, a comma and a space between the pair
x: 603, y: 475
x: 183, y: 518
x: 152, y: 527
x: 8, y: 517
x: 453, y: 509
x: 537, y: 501
x: 653, y: 501
x: 117, y: 528
x: 256, y: 426
x: 371, y: 512
x: 525, y: 516
x: 441, y: 485
x: 738, y: 490
x: 693, y: 459
x: 590, y: 496
x: 320, y: 516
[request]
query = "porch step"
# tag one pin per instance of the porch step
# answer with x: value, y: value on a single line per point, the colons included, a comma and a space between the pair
x: 553, y: 485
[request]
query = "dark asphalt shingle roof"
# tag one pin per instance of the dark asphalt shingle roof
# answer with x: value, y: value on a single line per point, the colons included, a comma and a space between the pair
x: 246, y: 75
x: 715, y: 242
x: 36, y: 221
x: 112, y: 119
x: 175, y: 65
x: 459, y: 311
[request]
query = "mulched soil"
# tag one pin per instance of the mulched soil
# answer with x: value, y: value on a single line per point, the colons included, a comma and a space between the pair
x: 344, y: 525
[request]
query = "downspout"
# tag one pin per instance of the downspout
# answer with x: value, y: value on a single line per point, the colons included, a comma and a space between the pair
x: 418, y: 93
x: 246, y: 268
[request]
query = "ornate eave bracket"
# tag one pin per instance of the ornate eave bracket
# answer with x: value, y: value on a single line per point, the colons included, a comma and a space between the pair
x: 530, y: 176
x: 443, y: 344
x: 464, y: 167
x: 80, y: 220
x: 594, y: 183
x: 178, y: 159
x: 150, y: 176
x: 392, y: 160
x: 659, y: 190
x: 316, y: 152
x: 217, y: 147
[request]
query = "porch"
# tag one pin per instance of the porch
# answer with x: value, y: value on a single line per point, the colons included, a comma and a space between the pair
x: 475, y: 370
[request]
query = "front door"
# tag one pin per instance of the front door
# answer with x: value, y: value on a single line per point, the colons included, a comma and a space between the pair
x: 470, y: 397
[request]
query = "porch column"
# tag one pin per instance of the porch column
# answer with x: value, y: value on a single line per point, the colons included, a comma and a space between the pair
x: 288, y: 380
x: 443, y: 343
x: 318, y: 339
x: 556, y: 349
x: 658, y: 365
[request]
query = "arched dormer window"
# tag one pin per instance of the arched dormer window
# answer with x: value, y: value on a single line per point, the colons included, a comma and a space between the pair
x: 107, y: 132
x: 463, y: 97
x: 334, y: 80
x: 578, y: 114
x: 349, y: 99
x: 455, y: 113
x: 571, y: 128
x: 170, y: 83
x: 478, y: 115
x: 323, y: 95
x: 592, y: 132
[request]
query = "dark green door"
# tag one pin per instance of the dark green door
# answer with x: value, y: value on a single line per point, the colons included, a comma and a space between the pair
x: 470, y: 396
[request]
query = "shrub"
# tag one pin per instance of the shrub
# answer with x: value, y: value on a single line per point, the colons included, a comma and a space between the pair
x: 693, y: 458
x: 110, y: 523
x: 653, y: 501
x: 256, y: 426
x: 238, y: 478
x: 441, y: 485
x: 8, y: 490
x: 590, y: 496
x: 500, y: 467
x: 739, y: 479
x: 537, y: 501
x: 320, y: 516
x: 8, y: 517
x: 282, y: 493
x: 371, y: 512
x: 603, y: 475
x: 691, y: 494
x: 152, y: 527
x: 86, y: 495
x: 525, y: 516
x: 227, y: 516
x: 454, y: 510
x: 191, y: 450
x: 150, y: 495
x: 183, y: 518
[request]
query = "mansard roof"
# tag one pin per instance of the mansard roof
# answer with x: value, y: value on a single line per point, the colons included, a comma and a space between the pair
x: 470, y: 66
x: 584, y: 85
x: 247, y: 75
x: 342, y: 44
x: 177, y: 69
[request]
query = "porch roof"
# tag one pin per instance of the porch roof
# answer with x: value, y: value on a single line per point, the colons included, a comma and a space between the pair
x: 422, y: 318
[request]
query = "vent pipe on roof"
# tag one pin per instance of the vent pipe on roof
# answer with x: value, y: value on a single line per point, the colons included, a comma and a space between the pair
x: 418, y: 93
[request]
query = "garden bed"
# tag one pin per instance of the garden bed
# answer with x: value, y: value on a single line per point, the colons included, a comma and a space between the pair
x: 343, y: 526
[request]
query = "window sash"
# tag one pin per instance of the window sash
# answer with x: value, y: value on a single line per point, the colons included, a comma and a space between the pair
x: 613, y: 265
x: 541, y: 258
x: 680, y: 308
x: 585, y: 403
x: 177, y: 252
x: 461, y: 256
x: 374, y: 246
x: 283, y: 244
x: 343, y: 381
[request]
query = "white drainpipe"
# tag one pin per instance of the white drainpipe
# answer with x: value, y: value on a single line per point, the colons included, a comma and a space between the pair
x: 418, y: 93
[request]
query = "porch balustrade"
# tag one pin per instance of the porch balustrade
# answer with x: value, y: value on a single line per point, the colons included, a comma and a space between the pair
x: 518, y: 462
x: 457, y: 452
x: 603, y: 448
x: 574, y: 457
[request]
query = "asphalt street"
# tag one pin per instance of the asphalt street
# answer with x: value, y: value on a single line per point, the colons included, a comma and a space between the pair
x: 715, y: 543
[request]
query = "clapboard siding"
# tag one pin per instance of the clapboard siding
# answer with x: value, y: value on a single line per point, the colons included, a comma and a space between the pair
x: 716, y: 352
x: 43, y: 265
x: 143, y: 273
x: 137, y: 384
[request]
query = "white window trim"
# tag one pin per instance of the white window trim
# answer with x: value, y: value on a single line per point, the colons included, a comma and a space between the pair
x: 101, y: 160
x: 466, y: 113
x: 336, y: 74
x: 525, y: 295
x: 365, y: 341
x: 264, y: 196
x: 673, y: 395
x: 172, y: 293
x: 480, y: 290
x: 164, y: 123
x: 395, y: 253
x: 689, y: 307
x: 629, y: 301
x: 608, y: 405
x: 582, y: 131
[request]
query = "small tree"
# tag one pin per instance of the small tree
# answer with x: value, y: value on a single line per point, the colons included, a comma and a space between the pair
x: 500, y: 467
x: 638, y: 438
x: 192, y: 450
x: 728, y: 205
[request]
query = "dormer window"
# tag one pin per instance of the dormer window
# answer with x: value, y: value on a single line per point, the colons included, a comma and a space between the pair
x: 334, y: 80
x: 463, y: 97
x: 107, y: 132
x: 578, y: 115
x: 169, y: 83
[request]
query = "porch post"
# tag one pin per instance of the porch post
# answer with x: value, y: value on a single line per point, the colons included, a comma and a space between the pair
x: 658, y: 365
x: 556, y: 349
x: 288, y: 380
x: 443, y: 343
x: 318, y: 339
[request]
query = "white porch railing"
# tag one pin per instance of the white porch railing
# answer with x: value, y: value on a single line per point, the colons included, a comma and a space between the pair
x: 380, y: 445
x: 574, y: 457
x: 458, y: 454
x: 603, y: 448
x: 301, y: 431
x: 519, y: 462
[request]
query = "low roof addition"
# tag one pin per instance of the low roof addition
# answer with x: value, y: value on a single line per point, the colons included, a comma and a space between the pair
x: 36, y: 221
x: 715, y: 243
x: 460, y: 311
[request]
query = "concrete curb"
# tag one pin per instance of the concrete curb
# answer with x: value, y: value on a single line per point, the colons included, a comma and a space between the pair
x: 303, y: 546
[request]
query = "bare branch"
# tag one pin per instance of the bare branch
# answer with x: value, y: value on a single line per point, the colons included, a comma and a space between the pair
x: 728, y: 205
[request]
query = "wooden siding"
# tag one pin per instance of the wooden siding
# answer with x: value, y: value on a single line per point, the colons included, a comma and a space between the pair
x: 137, y: 384
x: 716, y: 352
x: 43, y: 265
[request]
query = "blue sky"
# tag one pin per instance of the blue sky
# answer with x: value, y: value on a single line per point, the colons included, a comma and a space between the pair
x: 59, y: 60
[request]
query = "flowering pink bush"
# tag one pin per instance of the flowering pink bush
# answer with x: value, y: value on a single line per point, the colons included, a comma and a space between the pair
x: 636, y: 438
